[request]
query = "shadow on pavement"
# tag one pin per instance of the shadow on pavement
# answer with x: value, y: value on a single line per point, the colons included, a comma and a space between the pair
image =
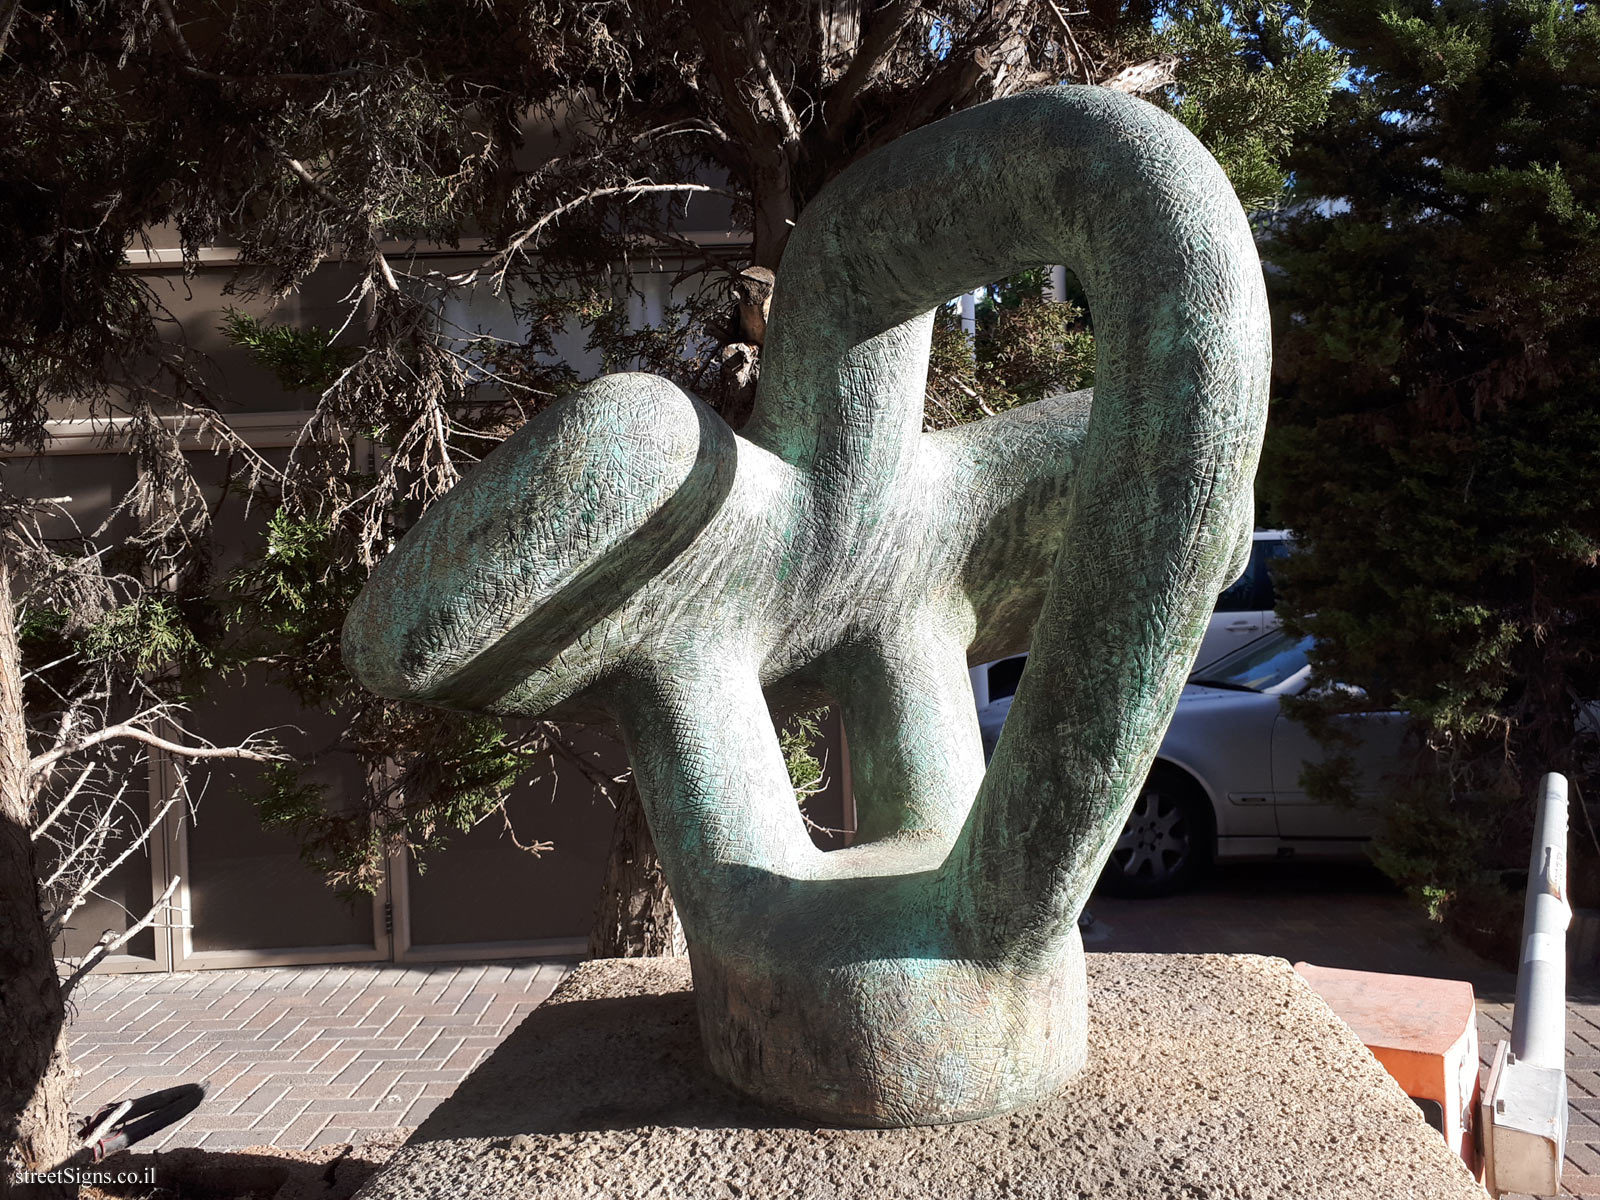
x: 1332, y: 914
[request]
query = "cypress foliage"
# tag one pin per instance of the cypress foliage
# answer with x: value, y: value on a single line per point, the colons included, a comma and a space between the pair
x: 1435, y: 437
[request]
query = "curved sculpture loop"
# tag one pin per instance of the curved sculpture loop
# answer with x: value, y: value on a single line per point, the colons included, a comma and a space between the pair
x: 627, y: 554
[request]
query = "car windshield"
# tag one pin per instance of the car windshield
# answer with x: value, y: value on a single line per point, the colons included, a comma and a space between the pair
x: 1265, y: 665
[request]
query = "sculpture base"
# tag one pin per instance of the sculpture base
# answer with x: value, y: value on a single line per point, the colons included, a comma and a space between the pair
x: 891, y: 1042
x: 1208, y: 1076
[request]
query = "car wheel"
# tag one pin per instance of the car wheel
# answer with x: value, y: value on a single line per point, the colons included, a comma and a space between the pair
x: 1167, y: 842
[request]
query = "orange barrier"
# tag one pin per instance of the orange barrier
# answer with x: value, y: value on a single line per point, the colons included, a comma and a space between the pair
x: 1424, y: 1032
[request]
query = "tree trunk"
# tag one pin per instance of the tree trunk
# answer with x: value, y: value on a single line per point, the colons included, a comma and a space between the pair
x: 35, y: 1078
x: 636, y: 918
x: 772, y: 197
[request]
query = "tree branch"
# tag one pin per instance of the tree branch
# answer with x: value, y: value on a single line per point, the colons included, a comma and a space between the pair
x: 89, y: 843
x: 712, y: 24
x: 876, y: 46
x: 6, y: 23
x: 498, y: 264
x: 1144, y: 77
x: 1084, y: 65
x: 43, y: 826
x: 298, y: 169
x: 787, y: 121
x: 276, y: 77
x: 135, y: 733
x: 110, y: 943
x: 169, y: 20
x: 84, y: 890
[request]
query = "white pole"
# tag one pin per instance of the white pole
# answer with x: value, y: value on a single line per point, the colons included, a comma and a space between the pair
x: 1539, y: 1022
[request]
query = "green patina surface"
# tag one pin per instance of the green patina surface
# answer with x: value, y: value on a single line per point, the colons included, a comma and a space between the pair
x: 627, y: 555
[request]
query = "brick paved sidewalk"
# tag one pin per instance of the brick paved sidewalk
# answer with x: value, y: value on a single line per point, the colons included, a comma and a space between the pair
x: 298, y: 1056
x: 1580, y: 1176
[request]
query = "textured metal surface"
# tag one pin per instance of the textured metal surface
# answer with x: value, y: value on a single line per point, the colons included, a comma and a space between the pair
x: 628, y: 554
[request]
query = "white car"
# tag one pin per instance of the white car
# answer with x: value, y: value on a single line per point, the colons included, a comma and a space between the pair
x: 1226, y: 783
x: 1244, y: 612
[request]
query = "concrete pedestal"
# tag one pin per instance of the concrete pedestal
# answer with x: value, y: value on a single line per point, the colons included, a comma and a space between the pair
x: 1209, y: 1076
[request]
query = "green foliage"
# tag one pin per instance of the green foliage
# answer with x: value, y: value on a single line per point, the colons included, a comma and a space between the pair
x: 678, y: 347
x: 288, y: 602
x: 303, y: 359
x: 430, y: 772
x: 798, y: 739
x: 1433, y: 846
x: 145, y: 635
x: 454, y: 772
x: 1025, y: 347
x: 1251, y: 80
x: 1435, y: 438
x: 345, y: 845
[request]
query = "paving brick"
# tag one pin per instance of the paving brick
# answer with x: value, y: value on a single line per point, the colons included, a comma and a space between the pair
x: 420, y: 1038
x: 353, y: 1077
x: 343, y: 1030
x: 460, y: 1025
x: 204, y: 1122
x: 372, y: 1121
x: 134, y: 1063
x: 1583, y: 1159
x: 259, y: 1099
x: 222, y: 1074
x: 389, y: 1060
x: 281, y: 1114
x: 443, y: 1078
x: 273, y: 1045
x: 377, y: 1084
x: 335, y: 1059
x: 257, y: 1051
x: 95, y: 1076
x: 420, y: 1111
x: 447, y: 1043
x: 228, y: 1139
x: 402, y: 1094
x: 341, y: 1104
x: 325, y: 1091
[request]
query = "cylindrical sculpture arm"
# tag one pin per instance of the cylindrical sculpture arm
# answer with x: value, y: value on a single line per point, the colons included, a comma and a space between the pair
x: 1107, y: 184
x: 1159, y: 506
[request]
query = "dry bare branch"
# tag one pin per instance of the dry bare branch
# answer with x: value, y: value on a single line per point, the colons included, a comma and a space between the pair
x: 54, y: 814
x: 129, y: 731
x: 110, y: 941
x: 499, y: 263
x: 1140, y: 78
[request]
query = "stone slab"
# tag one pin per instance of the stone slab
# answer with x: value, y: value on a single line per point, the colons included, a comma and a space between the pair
x: 1209, y: 1077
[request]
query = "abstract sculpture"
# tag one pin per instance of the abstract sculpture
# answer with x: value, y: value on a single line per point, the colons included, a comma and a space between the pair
x: 626, y: 555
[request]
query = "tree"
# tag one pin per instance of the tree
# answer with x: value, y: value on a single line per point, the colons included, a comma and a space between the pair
x: 570, y: 141
x: 90, y: 667
x: 1435, y: 441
